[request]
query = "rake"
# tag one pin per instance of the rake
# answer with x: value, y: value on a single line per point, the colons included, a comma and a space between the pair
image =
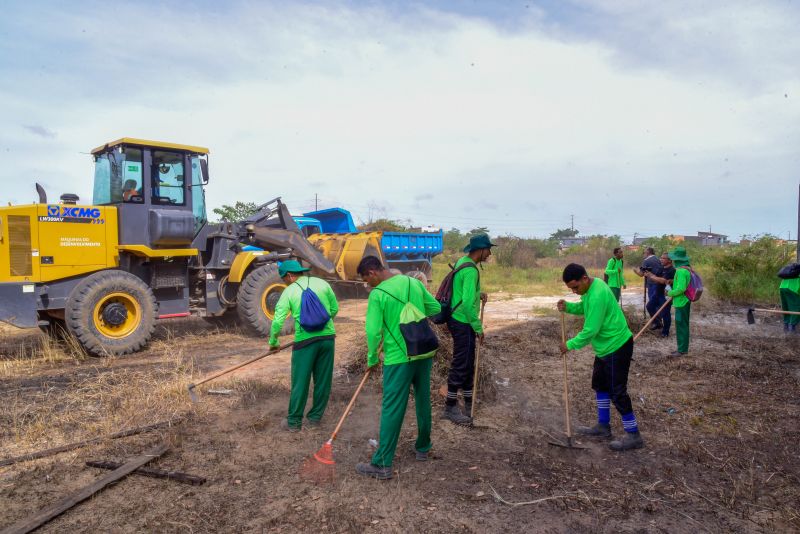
x: 192, y: 394
x: 320, y: 467
x: 653, y: 318
x: 477, y: 369
x: 568, y: 424
x: 752, y: 320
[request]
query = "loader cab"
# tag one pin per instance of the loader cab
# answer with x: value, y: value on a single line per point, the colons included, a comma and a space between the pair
x: 157, y: 188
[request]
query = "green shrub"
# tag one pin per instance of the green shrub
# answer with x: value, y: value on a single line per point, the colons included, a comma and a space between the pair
x: 747, y: 273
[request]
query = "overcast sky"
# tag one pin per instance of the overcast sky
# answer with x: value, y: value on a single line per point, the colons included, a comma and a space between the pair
x: 635, y: 117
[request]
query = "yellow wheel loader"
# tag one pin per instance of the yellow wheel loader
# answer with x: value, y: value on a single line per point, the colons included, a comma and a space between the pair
x: 142, y: 251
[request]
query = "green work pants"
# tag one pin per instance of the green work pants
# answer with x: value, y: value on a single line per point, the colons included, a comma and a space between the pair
x: 397, y: 379
x: 617, y: 292
x: 682, y: 326
x: 314, y: 360
x: 790, y: 301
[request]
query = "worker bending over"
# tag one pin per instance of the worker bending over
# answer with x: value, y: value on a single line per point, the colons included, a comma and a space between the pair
x: 607, y: 330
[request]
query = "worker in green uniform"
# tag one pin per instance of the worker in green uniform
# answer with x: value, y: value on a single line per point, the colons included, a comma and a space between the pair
x: 466, y: 328
x: 616, y: 278
x: 680, y: 301
x: 312, y: 354
x: 790, y: 301
x: 387, y: 299
x: 605, y: 327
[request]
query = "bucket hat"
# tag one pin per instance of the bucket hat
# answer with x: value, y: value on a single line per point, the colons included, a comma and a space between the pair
x: 478, y: 242
x: 291, y: 266
x: 679, y: 254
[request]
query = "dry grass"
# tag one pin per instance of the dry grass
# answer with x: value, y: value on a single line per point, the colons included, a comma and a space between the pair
x: 45, y: 407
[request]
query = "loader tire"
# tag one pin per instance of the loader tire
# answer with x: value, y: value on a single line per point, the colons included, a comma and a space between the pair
x: 111, y: 313
x: 255, y: 303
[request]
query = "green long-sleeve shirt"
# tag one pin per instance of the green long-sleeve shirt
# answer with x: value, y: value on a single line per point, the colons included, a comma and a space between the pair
x: 383, y: 317
x: 467, y: 291
x: 682, y: 278
x: 614, y: 270
x: 290, y: 302
x: 604, y: 325
x: 792, y: 284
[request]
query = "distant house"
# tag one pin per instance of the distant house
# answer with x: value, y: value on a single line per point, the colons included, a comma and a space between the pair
x: 567, y: 242
x: 708, y: 239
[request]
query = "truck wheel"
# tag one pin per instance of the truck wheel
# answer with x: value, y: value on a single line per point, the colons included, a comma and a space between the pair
x: 258, y: 295
x: 111, y: 313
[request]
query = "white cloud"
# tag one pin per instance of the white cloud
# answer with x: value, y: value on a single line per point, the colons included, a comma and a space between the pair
x: 369, y: 105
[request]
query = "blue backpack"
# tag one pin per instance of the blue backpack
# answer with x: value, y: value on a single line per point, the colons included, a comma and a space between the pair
x: 313, y: 315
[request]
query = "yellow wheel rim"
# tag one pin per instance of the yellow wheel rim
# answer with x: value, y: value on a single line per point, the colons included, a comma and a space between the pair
x: 270, y: 298
x: 133, y: 316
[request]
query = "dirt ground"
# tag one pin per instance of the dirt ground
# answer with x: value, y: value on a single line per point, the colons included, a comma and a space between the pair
x: 720, y: 425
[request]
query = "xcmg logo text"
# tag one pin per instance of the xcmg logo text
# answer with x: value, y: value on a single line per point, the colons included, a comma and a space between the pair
x: 73, y: 211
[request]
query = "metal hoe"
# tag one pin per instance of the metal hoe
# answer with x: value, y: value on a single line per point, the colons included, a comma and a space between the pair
x: 752, y: 320
x: 192, y: 394
x: 568, y: 424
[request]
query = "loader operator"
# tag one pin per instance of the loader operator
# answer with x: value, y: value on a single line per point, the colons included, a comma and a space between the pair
x: 465, y: 325
x: 312, y: 354
x: 607, y: 330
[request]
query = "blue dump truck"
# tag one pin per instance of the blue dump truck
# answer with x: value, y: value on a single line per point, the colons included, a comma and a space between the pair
x: 333, y: 232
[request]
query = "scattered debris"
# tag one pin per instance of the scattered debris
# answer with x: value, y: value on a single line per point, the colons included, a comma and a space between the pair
x: 43, y: 516
x: 79, y: 444
x: 177, y: 476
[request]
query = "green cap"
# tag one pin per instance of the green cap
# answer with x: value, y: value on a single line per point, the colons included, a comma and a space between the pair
x: 291, y: 266
x: 478, y: 242
x: 679, y: 254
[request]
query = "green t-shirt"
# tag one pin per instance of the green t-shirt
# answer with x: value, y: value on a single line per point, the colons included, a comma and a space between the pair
x: 383, y: 317
x: 614, y: 270
x: 682, y: 278
x: 467, y: 291
x: 604, y: 325
x: 290, y: 302
x: 792, y: 284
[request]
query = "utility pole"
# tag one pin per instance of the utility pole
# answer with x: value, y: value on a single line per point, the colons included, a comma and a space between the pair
x: 316, y: 202
x: 572, y: 223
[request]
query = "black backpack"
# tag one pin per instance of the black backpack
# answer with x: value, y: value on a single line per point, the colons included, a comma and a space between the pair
x: 790, y: 271
x: 445, y: 294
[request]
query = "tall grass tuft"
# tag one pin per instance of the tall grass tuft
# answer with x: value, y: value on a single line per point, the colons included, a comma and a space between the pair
x: 747, y: 273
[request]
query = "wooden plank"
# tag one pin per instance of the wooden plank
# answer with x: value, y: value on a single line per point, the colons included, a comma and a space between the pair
x: 46, y: 514
x: 79, y: 444
x: 184, y: 478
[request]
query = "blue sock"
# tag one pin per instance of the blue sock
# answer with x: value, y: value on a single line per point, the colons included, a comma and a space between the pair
x: 629, y: 423
x: 603, y: 408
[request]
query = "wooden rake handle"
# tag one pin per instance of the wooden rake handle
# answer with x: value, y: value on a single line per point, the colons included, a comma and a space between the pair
x: 765, y: 310
x: 566, y: 376
x: 238, y: 365
x: 477, y: 368
x: 653, y: 318
x: 350, y: 404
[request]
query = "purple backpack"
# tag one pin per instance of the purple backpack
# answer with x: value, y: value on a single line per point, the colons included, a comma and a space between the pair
x: 695, y: 288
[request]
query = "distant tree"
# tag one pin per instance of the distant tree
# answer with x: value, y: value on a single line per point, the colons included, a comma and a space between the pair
x: 384, y: 225
x: 237, y: 212
x: 563, y: 233
x: 476, y: 231
x: 454, y: 240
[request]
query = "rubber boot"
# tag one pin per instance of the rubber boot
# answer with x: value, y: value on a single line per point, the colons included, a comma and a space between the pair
x: 453, y: 414
x: 468, y: 408
x: 786, y: 327
x: 374, y: 471
x: 598, y: 431
x: 631, y: 440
